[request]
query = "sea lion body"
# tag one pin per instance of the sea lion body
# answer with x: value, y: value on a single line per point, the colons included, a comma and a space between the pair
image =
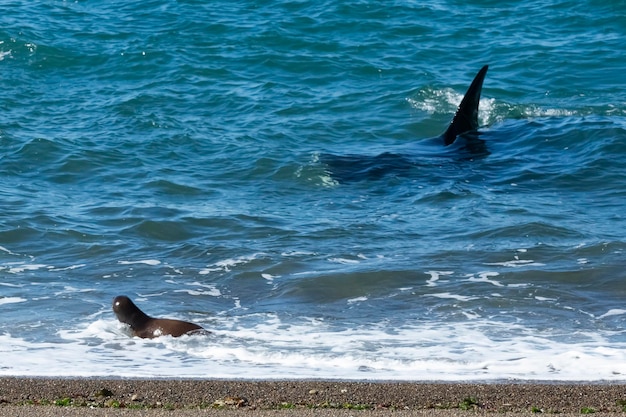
x: 148, y: 327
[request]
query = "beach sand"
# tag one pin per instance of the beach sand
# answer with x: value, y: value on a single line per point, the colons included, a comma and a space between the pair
x: 147, y: 397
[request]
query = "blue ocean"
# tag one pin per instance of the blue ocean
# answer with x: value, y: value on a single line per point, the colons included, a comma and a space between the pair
x: 174, y: 152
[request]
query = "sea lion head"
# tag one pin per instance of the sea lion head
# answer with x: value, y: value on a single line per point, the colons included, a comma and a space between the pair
x: 127, y: 312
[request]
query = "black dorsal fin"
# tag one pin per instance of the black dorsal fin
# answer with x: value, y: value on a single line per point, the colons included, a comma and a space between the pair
x: 466, y: 117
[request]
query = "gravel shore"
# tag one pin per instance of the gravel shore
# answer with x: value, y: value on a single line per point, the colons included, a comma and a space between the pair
x: 151, y: 398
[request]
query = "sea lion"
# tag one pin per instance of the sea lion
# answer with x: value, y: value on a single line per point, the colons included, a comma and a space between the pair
x: 148, y: 327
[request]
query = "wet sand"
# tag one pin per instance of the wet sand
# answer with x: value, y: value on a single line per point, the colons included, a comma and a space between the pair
x: 151, y: 398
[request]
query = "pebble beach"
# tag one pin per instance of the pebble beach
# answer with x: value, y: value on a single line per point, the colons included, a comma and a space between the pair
x: 148, y: 397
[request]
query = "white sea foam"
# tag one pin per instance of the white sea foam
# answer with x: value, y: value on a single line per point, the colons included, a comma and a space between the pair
x: 297, y: 253
x: 344, y: 261
x: 538, y: 298
x: 3, y: 249
x: 8, y: 284
x: 204, y: 289
x: 67, y: 268
x: 152, y: 262
x: 356, y: 300
x: 266, y: 347
x: 19, y: 267
x: 613, y: 312
x: 484, y: 277
x: 435, y: 276
x: 447, y: 100
x: 227, y: 264
x: 269, y: 277
x: 11, y: 300
x: 451, y: 296
x: 516, y: 263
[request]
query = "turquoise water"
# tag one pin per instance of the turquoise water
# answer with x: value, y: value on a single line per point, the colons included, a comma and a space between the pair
x: 174, y: 152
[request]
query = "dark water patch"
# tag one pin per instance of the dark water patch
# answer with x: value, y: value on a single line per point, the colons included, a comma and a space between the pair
x: 170, y: 188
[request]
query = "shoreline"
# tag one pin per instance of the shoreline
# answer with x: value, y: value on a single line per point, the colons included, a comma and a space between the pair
x: 207, y: 396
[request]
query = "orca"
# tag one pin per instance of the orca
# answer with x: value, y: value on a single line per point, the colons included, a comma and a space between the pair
x: 346, y: 168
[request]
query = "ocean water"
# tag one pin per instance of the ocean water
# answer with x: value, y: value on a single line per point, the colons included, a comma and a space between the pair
x: 174, y: 152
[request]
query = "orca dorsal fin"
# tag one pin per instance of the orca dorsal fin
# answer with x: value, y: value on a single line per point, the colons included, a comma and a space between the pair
x: 466, y: 117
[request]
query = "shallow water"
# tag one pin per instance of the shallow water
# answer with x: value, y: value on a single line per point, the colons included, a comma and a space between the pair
x: 174, y: 152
